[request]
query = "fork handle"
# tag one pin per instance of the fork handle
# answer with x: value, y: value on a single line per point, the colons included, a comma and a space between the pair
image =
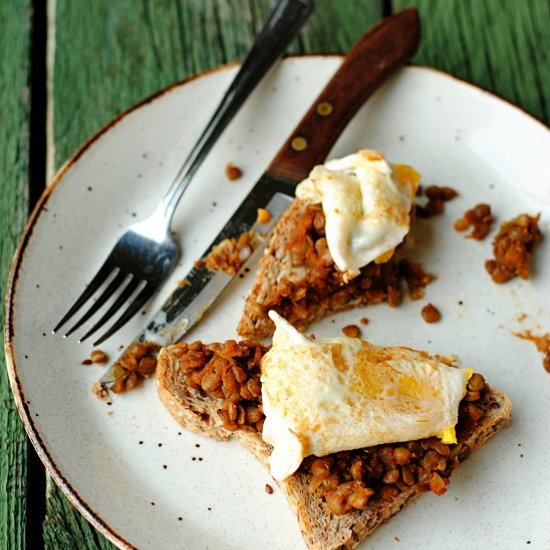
x: 281, y: 26
x: 372, y: 59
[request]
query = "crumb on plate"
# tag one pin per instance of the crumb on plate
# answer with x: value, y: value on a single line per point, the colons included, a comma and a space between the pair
x: 479, y: 218
x: 264, y: 216
x: 99, y: 357
x: 232, y: 172
x: 352, y: 331
x: 230, y: 254
x: 437, y: 197
x: 513, y: 247
x: 430, y: 313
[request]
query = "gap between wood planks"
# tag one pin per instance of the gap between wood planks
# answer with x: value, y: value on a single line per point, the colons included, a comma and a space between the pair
x: 36, y: 473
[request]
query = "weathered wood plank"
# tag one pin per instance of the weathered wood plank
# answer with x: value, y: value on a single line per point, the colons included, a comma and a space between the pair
x: 501, y: 45
x: 115, y: 53
x: 65, y: 529
x: 110, y: 54
x: 15, y: 19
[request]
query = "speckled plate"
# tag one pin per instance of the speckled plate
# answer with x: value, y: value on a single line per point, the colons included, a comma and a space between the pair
x: 145, y: 482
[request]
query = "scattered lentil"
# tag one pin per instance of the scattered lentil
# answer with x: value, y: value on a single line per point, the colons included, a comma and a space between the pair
x: 430, y: 313
x: 138, y: 363
x: 232, y: 172
x: 479, y: 218
x: 352, y: 331
x: 230, y: 254
x: 264, y: 216
x: 99, y: 357
x: 513, y: 247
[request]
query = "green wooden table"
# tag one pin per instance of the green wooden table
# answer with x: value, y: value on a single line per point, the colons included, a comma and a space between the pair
x: 68, y: 66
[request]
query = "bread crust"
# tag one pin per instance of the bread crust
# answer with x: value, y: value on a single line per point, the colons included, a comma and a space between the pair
x: 320, y: 529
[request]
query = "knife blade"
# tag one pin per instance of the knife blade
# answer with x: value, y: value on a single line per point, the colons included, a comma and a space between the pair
x: 376, y: 56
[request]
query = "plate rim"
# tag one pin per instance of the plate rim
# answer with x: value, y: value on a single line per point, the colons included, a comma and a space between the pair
x: 53, y: 469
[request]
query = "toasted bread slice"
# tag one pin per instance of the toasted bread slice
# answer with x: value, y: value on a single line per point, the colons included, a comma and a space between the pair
x: 299, y: 280
x: 320, y: 528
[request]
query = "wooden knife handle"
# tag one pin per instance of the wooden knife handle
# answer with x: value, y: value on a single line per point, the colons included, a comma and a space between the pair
x: 372, y: 59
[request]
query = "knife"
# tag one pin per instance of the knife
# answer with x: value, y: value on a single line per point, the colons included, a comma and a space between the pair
x: 386, y: 47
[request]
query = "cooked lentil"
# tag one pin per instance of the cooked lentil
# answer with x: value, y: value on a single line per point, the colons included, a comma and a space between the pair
x: 416, y: 278
x: 230, y: 254
x: 99, y: 357
x: 386, y: 470
x: 264, y: 216
x: 430, y: 313
x: 352, y: 331
x: 513, y: 247
x: 437, y: 197
x: 232, y: 172
x: 479, y: 218
x: 231, y: 373
x: 443, y: 193
x: 138, y: 362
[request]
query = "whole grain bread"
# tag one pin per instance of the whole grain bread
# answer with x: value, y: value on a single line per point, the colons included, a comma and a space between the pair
x: 321, y: 529
x: 305, y: 293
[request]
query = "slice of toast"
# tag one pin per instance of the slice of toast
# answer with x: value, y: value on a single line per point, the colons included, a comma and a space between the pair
x: 299, y: 280
x: 320, y: 528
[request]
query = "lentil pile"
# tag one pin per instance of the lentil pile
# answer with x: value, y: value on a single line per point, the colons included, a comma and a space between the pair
x: 430, y: 313
x: 138, y: 362
x: 352, y: 331
x: 231, y: 373
x: 232, y: 171
x: 479, y: 218
x: 348, y: 479
x: 513, y: 247
x: 323, y: 287
x: 230, y: 254
x: 437, y: 197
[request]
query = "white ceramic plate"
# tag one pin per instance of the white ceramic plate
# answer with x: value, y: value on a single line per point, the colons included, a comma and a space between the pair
x: 141, y: 479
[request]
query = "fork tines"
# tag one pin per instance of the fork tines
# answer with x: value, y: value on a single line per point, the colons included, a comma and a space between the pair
x: 134, y: 290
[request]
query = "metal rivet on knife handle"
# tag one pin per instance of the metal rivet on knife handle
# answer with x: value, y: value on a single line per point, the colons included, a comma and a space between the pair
x: 324, y: 108
x: 299, y: 143
x: 370, y: 62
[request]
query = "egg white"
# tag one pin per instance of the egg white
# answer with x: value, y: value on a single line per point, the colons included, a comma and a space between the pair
x: 337, y: 394
x: 366, y: 203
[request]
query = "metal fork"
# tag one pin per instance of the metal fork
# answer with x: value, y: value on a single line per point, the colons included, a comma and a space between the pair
x: 146, y: 253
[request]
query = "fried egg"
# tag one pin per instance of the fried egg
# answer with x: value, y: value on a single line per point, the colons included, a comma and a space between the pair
x: 336, y: 394
x: 366, y: 203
